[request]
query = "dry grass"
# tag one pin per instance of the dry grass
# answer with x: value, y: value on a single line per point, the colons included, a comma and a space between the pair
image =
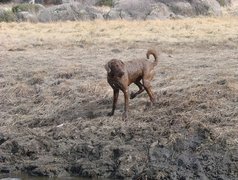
x: 53, y: 74
x: 65, y: 34
x: 48, y: 62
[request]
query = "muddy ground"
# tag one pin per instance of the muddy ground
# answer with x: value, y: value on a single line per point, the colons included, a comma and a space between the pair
x: 54, y: 102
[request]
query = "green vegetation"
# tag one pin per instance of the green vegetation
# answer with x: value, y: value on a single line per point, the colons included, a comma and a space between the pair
x: 26, y: 7
x: 105, y: 3
x: 224, y: 2
x: 5, y: 1
x: 7, y: 16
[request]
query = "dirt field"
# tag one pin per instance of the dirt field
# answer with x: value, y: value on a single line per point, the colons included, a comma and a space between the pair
x: 54, y: 98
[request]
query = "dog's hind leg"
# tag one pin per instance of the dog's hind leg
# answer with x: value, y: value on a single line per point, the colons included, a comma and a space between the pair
x: 141, y: 89
x: 147, y: 86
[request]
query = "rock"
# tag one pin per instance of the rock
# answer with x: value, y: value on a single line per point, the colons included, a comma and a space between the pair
x: 117, y: 14
x: 138, y: 9
x: 70, y: 12
x: 129, y: 10
x: 193, y: 7
x: 182, y: 8
x: 160, y: 11
x: 206, y: 7
x: 122, y: 9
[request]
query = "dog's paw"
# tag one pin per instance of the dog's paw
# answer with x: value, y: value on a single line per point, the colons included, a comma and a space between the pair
x: 132, y: 95
x: 124, y: 116
x: 110, y: 114
x: 149, y: 105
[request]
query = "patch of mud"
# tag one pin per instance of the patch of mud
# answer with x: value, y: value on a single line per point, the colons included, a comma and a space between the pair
x: 173, y: 140
x: 54, y: 123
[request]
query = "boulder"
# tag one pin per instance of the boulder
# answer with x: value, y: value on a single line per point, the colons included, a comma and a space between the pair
x: 182, y: 8
x: 160, y: 11
x: 122, y: 9
x: 115, y: 13
x: 206, y: 7
x: 163, y: 9
x: 193, y: 7
x: 70, y: 12
x: 136, y: 9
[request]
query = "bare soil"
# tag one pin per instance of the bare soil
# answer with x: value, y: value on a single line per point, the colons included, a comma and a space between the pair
x: 54, y: 98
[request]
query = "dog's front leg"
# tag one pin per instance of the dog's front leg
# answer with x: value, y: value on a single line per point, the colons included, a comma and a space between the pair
x: 115, y: 98
x: 126, y: 106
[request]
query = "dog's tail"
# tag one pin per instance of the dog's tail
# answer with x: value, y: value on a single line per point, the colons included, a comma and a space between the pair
x: 154, y: 53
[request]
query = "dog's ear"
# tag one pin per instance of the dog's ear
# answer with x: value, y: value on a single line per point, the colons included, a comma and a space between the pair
x: 108, y: 69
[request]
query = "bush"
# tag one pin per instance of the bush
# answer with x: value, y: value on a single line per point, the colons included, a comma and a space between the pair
x: 224, y: 2
x: 105, y: 3
x: 7, y: 16
x: 34, y: 8
x: 5, y: 1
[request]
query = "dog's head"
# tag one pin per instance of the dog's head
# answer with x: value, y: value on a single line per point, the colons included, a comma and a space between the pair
x: 115, y: 68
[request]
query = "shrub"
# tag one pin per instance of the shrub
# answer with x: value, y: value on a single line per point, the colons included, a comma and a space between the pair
x: 53, y: 2
x: 26, y: 7
x: 105, y: 3
x: 7, y: 16
x: 224, y: 2
x: 5, y: 1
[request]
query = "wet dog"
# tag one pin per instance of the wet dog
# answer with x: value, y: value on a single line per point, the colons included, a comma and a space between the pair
x: 121, y: 74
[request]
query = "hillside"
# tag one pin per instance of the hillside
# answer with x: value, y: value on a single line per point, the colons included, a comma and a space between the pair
x: 79, y: 10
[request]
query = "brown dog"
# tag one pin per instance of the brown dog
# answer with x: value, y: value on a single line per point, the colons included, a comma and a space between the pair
x: 120, y: 75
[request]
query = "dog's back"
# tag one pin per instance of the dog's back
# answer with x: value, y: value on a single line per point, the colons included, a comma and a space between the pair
x: 138, y: 67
